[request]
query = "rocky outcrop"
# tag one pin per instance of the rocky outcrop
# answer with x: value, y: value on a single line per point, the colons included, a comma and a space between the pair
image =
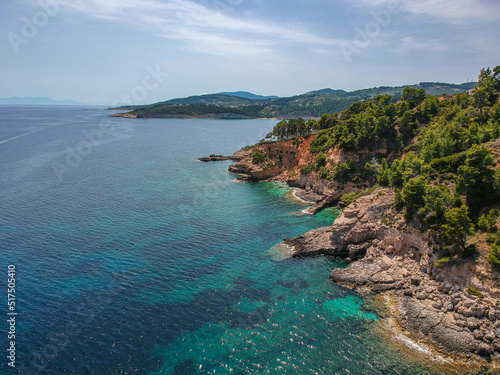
x: 353, y: 229
x: 124, y: 115
x: 392, y: 257
x: 214, y: 158
x: 308, y: 196
x: 315, y: 242
x: 237, y: 156
x: 284, y: 160
x: 276, y: 158
x: 326, y: 201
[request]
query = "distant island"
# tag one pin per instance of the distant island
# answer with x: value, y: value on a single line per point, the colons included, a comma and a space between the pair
x: 36, y: 101
x: 245, y: 105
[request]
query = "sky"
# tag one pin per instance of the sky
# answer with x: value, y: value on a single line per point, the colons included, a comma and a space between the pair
x: 145, y: 51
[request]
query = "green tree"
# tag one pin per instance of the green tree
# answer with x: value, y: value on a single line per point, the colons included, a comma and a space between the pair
x: 481, y: 98
x: 494, y: 254
x: 458, y: 226
x: 301, y: 126
x: 414, y: 191
x: 320, y: 160
x: 436, y: 199
x: 384, y: 174
x: 487, y: 222
x: 310, y: 125
x: 476, y: 177
x: 496, y: 76
x: 486, y: 92
x: 429, y: 109
x: 414, y: 97
x: 280, y: 130
x: 408, y: 124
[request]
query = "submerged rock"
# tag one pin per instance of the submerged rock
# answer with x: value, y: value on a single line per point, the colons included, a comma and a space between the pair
x: 350, y: 306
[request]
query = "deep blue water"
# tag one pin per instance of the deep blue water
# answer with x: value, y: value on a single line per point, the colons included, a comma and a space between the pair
x: 133, y: 258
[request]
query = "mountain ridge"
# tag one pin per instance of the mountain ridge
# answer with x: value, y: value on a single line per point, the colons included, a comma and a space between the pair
x: 248, y: 95
x: 312, y: 104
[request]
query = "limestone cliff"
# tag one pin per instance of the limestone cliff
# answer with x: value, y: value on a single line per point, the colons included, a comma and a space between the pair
x: 286, y: 161
x: 393, y: 257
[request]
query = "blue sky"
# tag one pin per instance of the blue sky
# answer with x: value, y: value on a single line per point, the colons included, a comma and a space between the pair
x: 119, y: 51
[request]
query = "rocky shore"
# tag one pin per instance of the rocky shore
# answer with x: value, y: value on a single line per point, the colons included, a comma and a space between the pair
x: 214, y: 157
x: 284, y: 162
x: 389, y: 256
x: 213, y: 116
x: 237, y: 156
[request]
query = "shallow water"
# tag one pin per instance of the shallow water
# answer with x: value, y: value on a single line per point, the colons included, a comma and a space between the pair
x: 132, y: 257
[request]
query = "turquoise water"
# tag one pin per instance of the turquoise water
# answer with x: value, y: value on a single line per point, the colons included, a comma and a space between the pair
x: 136, y: 258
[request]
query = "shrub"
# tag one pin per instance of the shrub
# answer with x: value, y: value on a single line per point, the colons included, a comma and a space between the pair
x: 258, y: 157
x: 324, y: 173
x: 321, y: 142
x: 307, y: 169
x: 487, y: 222
x: 474, y: 292
x: 344, y: 172
x: 320, y: 160
x: 449, y: 163
x: 494, y: 254
x: 441, y: 261
x: 348, y: 198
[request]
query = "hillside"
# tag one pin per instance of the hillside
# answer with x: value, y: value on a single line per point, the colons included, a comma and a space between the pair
x: 312, y: 104
x: 419, y: 184
x: 247, y: 95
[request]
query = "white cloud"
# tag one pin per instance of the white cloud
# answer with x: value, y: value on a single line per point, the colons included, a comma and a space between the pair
x: 450, y: 11
x: 410, y: 44
x: 201, y: 28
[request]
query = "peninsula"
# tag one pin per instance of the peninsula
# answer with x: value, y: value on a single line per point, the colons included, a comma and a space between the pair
x: 420, y: 183
x: 244, y: 105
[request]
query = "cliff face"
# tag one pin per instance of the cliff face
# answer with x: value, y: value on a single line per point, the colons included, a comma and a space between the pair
x: 284, y: 160
x: 394, y: 258
x: 389, y: 256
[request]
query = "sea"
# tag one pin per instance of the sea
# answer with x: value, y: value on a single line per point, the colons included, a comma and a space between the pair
x: 126, y: 255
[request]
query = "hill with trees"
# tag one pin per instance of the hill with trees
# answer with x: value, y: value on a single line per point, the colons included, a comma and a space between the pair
x: 418, y: 180
x: 310, y: 105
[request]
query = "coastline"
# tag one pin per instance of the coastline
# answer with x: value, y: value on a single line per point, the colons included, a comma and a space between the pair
x: 419, y: 350
x: 430, y: 303
x: 388, y: 254
x: 207, y: 116
x: 391, y: 261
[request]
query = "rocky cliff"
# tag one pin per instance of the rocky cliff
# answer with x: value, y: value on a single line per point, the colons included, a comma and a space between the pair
x: 389, y: 256
x: 285, y: 161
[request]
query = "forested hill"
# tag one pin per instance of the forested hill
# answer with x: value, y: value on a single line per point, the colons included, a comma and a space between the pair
x: 311, y: 104
x: 440, y: 155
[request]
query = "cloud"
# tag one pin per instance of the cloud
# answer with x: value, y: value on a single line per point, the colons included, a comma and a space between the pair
x: 201, y: 28
x: 450, y: 11
x: 411, y: 44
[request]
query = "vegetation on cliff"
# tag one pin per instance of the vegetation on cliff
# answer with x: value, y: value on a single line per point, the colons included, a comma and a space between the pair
x: 420, y: 183
x: 448, y: 179
x: 438, y: 153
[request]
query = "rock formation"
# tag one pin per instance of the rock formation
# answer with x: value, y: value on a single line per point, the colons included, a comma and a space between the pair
x: 392, y: 257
